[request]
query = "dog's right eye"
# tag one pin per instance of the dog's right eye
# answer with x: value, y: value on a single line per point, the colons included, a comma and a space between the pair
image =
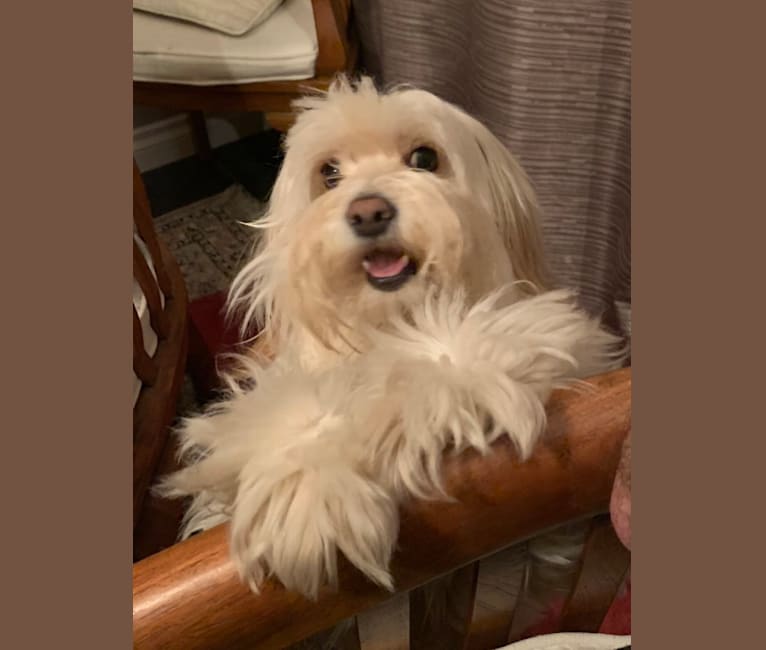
x: 331, y: 174
x: 423, y: 159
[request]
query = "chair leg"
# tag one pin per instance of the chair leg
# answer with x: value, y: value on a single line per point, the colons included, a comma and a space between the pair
x: 201, y: 137
x: 160, y: 520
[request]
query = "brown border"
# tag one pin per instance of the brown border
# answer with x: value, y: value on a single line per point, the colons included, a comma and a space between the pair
x: 66, y: 258
x: 67, y: 424
x: 698, y: 179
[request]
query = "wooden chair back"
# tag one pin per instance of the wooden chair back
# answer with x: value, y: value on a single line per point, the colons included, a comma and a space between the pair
x: 161, y: 283
x: 189, y: 596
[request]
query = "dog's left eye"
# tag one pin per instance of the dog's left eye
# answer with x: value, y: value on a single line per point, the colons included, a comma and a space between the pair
x: 331, y: 173
x: 423, y: 158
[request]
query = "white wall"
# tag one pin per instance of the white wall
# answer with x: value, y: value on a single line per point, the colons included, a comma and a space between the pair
x: 161, y: 137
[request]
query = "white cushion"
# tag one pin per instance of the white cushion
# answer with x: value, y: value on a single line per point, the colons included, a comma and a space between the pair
x: 229, y: 16
x: 284, y: 47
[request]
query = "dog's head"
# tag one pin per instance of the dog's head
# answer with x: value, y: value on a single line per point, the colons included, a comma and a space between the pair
x: 381, y: 197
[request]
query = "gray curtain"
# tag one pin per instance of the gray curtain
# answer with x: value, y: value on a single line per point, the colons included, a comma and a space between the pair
x: 551, y: 79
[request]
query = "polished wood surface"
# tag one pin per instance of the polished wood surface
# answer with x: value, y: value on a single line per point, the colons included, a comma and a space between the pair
x: 143, y: 222
x: 190, y: 597
x: 156, y: 406
x: 267, y: 97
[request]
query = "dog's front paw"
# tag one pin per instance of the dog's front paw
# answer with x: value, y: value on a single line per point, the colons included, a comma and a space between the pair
x: 290, y: 521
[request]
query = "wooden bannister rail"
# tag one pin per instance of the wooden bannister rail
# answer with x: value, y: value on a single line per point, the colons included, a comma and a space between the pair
x: 189, y: 596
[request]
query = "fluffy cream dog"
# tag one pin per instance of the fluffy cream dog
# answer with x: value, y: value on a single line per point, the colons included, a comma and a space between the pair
x: 401, y: 282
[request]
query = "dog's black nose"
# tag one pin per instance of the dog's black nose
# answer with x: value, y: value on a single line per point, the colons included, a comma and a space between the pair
x: 370, y: 216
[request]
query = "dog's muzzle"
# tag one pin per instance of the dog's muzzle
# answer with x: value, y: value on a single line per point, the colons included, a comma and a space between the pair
x: 388, y: 266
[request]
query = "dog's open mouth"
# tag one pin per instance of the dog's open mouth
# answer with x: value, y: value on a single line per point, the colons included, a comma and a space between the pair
x: 389, y: 269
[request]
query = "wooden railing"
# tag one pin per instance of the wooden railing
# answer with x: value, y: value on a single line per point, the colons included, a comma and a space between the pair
x: 189, y: 596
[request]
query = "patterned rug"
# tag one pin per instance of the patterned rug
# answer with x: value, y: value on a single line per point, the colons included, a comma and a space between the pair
x: 208, y: 239
x: 210, y: 244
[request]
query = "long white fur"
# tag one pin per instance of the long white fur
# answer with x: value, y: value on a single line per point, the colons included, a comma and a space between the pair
x: 367, y: 388
x: 317, y: 461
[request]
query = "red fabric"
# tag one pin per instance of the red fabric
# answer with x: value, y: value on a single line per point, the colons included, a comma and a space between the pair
x: 207, y: 316
x: 209, y: 337
x: 549, y: 624
x: 617, y: 619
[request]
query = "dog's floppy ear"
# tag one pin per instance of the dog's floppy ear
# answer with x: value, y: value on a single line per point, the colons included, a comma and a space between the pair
x: 515, y: 208
x: 252, y: 300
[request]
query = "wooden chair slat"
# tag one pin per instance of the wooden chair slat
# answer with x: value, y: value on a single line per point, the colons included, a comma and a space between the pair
x: 343, y: 637
x: 155, y: 408
x: 604, y: 564
x: 544, y: 583
x: 142, y: 219
x: 387, y: 625
x: 143, y: 364
x: 146, y: 281
x: 350, y: 638
x: 497, y: 595
x: 441, y: 611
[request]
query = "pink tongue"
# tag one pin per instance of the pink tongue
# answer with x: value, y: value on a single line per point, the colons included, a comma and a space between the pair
x: 385, y: 266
